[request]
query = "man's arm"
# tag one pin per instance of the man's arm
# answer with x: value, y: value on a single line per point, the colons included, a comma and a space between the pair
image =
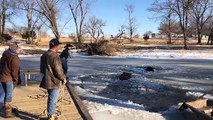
x: 58, y: 68
x: 15, y: 66
x: 41, y: 65
x: 70, y: 53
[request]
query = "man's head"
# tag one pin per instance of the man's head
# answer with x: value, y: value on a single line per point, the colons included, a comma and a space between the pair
x: 14, y: 46
x: 54, y: 44
x: 68, y: 46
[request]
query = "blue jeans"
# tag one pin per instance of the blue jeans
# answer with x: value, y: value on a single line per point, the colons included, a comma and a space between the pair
x: 64, y: 65
x: 52, y: 100
x: 8, y: 90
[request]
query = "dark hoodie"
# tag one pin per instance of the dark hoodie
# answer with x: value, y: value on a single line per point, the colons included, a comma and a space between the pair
x: 9, y: 66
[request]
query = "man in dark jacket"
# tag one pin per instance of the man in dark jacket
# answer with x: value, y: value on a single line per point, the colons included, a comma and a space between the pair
x: 53, y: 75
x: 66, y: 53
x: 9, y: 75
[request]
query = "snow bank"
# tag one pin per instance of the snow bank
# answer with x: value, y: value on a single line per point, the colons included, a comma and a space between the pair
x: 108, y: 112
x: 148, y: 54
x: 198, y: 94
x: 169, y: 54
x: 109, y: 109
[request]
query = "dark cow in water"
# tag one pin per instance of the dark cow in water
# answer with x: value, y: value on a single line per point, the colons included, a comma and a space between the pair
x: 125, y: 76
x: 149, y: 69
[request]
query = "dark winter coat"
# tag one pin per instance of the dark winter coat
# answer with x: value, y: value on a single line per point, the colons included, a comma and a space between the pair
x: 52, y: 70
x: 65, y: 53
x: 9, y: 66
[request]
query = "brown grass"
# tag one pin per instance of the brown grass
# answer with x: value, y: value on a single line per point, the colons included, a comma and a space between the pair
x: 32, y: 51
x: 125, y: 43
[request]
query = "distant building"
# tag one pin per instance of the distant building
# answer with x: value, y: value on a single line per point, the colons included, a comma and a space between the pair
x: 160, y: 36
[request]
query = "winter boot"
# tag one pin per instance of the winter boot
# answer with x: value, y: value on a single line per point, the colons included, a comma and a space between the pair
x: 51, y: 117
x: 8, y: 110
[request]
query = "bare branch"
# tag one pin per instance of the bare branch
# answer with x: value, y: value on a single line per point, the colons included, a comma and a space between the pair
x: 94, y: 28
x: 79, y: 9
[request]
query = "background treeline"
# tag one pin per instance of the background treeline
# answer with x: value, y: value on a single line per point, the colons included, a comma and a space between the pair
x: 186, y: 17
x: 178, y: 17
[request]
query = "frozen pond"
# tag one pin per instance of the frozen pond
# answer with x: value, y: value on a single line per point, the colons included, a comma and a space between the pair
x: 172, y: 82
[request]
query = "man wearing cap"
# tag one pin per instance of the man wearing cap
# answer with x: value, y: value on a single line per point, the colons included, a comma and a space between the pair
x: 66, y: 53
x: 9, y: 75
x: 53, y: 75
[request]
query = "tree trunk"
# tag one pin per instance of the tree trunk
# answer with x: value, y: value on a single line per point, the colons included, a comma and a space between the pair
x: 3, y: 18
x: 169, y: 39
x: 28, y: 33
x: 199, y: 37
x: 79, y: 41
x: 0, y: 23
x: 210, y: 39
x: 185, y: 27
x: 39, y: 34
x: 55, y: 29
x: 169, y: 34
x: 29, y: 26
x: 185, y: 40
x: 57, y: 36
x: 3, y: 26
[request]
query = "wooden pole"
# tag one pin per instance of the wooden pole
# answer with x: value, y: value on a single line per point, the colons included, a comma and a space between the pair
x: 78, y: 103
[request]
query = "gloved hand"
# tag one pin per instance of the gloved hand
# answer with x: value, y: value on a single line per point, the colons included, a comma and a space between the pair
x: 19, y: 82
x: 64, y: 81
x: 16, y: 82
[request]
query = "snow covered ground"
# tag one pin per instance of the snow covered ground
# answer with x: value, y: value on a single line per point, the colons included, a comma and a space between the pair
x: 170, y: 54
x: 179, y: 76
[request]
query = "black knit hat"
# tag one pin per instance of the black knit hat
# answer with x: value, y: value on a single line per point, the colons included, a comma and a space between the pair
x: 54, y: 42
x: 68, y: 45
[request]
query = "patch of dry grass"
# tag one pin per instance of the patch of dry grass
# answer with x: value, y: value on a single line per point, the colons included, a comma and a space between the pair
x: 113, y: 46
x: 32, y: 51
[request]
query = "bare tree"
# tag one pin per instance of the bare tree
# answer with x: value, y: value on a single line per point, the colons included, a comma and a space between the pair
x: 210, y: 39
x: 48, y: 8
x: 182, y: 9
x: 7, y: 9
x: 169, y: 27
x: 121, y: 31
x: 201, y: 13
x: 164, y: 13
x: 131, y: 28
x: 79, y: 10
x: 28, y: 6
x: 40, y: 22
x: 94, y: 28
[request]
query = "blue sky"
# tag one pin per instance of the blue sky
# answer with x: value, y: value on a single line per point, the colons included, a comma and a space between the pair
x: 112, y: 11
